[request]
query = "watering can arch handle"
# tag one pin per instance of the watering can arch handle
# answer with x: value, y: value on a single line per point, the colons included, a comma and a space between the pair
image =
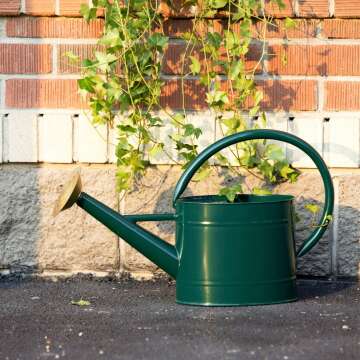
x: 273, y: 135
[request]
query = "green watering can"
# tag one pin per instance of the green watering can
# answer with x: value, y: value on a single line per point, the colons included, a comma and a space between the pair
x: 226, y: 254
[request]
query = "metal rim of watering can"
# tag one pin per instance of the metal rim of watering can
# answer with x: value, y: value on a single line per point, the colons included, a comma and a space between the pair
x: 257, y: 134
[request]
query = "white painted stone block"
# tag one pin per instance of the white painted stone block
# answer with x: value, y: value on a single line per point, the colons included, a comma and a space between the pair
x: 342, y: 140
x: 1, y: 136
x: 90, y: 140
x: 310, y: 129
x: 55, y: 138
x: 21, y: 136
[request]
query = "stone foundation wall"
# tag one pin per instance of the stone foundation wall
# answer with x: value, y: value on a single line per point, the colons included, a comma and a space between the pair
x: 74, y: 242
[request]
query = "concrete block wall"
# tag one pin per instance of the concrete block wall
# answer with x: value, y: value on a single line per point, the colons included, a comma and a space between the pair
x: 45, y: 133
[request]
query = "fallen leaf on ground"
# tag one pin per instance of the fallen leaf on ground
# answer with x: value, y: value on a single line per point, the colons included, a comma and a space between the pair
x: 81, y: 302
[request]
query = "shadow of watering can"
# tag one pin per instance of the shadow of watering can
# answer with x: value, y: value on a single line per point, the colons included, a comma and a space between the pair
x: 240, y: 253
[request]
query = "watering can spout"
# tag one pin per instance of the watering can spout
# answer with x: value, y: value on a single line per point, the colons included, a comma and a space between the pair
x: 155, y: 249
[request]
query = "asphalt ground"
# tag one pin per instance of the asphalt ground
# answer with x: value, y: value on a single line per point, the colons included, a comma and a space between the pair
x: 140, y: 320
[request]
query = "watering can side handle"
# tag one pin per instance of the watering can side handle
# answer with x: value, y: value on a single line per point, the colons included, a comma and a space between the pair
x: 273, y: 135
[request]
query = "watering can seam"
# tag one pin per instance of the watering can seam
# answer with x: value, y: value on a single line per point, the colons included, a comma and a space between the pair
x: 232, y: 283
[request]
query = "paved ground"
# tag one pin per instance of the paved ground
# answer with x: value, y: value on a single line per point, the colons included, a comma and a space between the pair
x: 132, y: 320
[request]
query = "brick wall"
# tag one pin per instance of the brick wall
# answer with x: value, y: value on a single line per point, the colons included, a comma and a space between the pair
x: 321, y: 75
x: 323, y: 53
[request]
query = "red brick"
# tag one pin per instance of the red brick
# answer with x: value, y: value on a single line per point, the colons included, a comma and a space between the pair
x: 303, y: 28
x: 177, y: 27
x: 53, y: 28
x: 174, y: 9
x: 83, y: 51
x: 341, y: 29
x: 173, y: 64
x: 341, y: 95
x: 36, y: 93
x: 71, y: 7
x: 40, y: 7
x: 9, y: 8
x: 315, y: 60
x: 314, y: 8
x: 347, y: 8
x: 25, y: 59
x: 272, y: 9
x: 194, y: 95
x: 286, y: 95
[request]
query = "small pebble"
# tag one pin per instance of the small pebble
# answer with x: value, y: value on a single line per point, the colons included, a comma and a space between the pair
x: 345, y: 327
x: 80, y: 333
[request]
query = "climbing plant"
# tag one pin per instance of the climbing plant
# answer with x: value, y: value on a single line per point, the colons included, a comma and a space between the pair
x: 123, y: 83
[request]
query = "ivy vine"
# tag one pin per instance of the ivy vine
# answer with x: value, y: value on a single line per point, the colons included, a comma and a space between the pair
x: 123, y: 83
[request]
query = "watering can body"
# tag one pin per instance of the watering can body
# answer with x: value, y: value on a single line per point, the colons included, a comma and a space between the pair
x: 239, y: 253
x: 226, y: 254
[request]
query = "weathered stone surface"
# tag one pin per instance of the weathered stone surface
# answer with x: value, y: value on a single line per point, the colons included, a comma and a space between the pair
x: 155, y: 197
x: 19, y: 216
x: 73, y: 240
x: 348, y: 245
x: 309, y: 190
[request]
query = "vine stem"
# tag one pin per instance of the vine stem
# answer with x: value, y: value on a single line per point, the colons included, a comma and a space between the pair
x: 139, y: 83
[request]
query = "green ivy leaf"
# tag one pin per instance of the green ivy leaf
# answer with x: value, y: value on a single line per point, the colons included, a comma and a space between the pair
x: 261, y: 191
x: 289, y: 23
x: 158, y: 41
x: 214, y: 39
x: 71, y: 56
x: 218, y: 4
x: 235, y: 69
x: 258, y: 97
x: 202, y: 174
x: 156, y: 149
x: 217, y: 98
x: 313, y: 208
x: 192, y: 130
x: 231, y: 191
x: 111, y: 38
x: 195, y: 66
x: 104, y: 60
x: 274, y: 152
x: 87, y: 12
x: 284, y: 58
x: 87, y: 84
x: 280, y: 4
x: 81, y: 302
x: 231, y: 39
